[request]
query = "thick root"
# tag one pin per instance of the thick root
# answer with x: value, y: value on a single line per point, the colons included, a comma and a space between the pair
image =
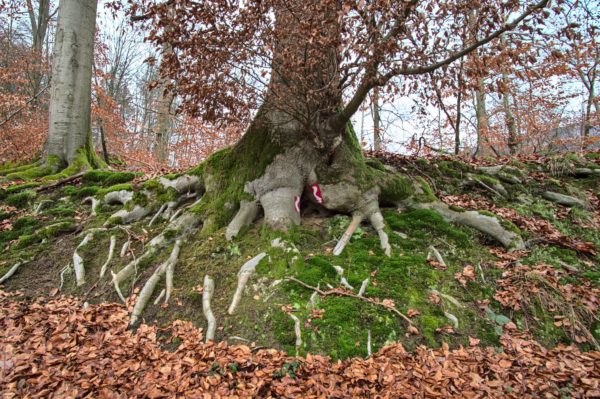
x: 95, y: 204
x: 207, y: 293
x: 126, y: 217
x: 185, y: 225
x: 297, y: 332
x: 486, y: 224
x: 183, y: 184
x: 244, y: 274
x: 78, y: 265
x: 244, y: 217
x: 111, y: 253
x: 170, y: 271
x: 563, y: 199
x: 12, y: 270
x: 118, y: 197
x: 379, y: 225
x: 148, y: 288
x: 356, y: 219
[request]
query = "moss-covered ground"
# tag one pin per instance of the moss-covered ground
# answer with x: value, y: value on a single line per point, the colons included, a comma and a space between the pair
x: 46, y: 227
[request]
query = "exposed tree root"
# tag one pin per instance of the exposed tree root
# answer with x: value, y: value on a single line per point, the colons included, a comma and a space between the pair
x: 78, y: 265
x: 243, y: 275
x: 434, y: 253
x: 363, y: 287
x: 170, y: 269
x: 124, y: 249
x: 453, y: 319
x: 563, y: 199
x: 502, y: 172
x: 486, y: 224
x: 297, y: 332
x: 118, y: 197
x: 159, y: 297
x: 245, y: 216
x: 207, y: 293
x: 340, y: 292
x: 369, y: 343
x: 125, y: 216
x: 345, y: 238
x: 157, y: 214
x: 95, y: 204
x: 184, y: 226
x: 447, y: 297
x: 111, y: 252
x: 12, y: 270
x: 148, y: 289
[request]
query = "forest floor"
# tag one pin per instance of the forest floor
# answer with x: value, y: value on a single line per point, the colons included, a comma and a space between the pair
x: 480, y: 321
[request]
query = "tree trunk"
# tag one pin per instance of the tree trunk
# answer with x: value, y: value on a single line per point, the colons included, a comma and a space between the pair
x: 484, y: 147
x: 293, y: 154
x: 39, y: 29
x: 69, y: 135
x: 511, y: 124
x: 376, y: 120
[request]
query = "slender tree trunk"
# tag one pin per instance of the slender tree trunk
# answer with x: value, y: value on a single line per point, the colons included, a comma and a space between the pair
x: 70, y: 97
x: 587, y: 125
x: 458, y: 109
x: 39, y: 29
x: 163, y: 125
x: 377, y: 146
x: 511, y: 125
x: 483, y: 139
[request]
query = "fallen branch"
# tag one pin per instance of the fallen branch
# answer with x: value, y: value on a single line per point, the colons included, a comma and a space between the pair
x: 340, y: 292
x: 244, y: 274
x: 207, y: 293
x: 59, y: 183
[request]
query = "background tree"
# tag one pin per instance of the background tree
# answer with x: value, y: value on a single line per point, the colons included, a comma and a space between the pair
x: 70, y: 135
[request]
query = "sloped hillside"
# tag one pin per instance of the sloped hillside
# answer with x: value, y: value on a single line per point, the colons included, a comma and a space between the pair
x: 444, y: 283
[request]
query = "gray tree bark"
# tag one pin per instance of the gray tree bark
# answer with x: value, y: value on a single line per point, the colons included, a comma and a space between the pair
x: 70, y: 96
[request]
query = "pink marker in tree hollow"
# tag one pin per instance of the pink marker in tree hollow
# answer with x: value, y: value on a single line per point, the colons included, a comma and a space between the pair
x: 297, y: 203
x: 316, y: 191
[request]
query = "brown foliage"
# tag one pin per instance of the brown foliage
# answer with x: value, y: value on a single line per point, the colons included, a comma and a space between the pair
x: 54, y: 347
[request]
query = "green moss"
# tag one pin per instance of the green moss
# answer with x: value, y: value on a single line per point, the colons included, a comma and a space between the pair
x: 489, y: 180
x: 487, y: 213
x: 427, y: 194
x: 18, y: 187
x: 510, y: 226
x: 107, y: 177
x: 375, y: 164
x: 457, y: 208
x: 395, y: 188
x: 226, y: 172
x: 33, y: 172
x: 22, y: 226
x: 22, y: 199
x: 82, y: 192
x: 60, y: 211
x: 47, y: 232
x: 117, y: 187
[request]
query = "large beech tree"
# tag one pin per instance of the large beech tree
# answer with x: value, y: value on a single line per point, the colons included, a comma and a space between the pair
x: 69, y: 136
x: 306, y: 66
